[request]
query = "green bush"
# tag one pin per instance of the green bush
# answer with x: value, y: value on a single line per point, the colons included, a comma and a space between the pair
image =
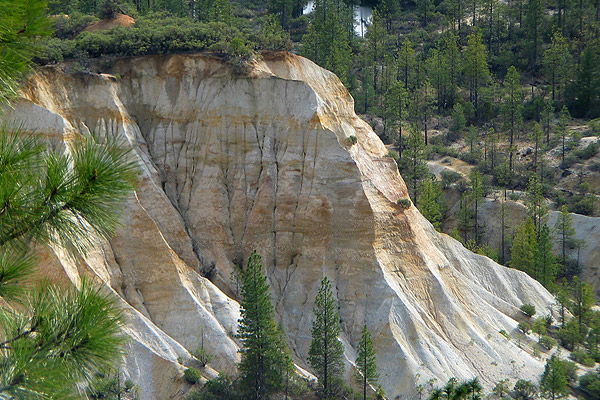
x: 524, y: 327
x: 68, y: 26
x: 404, y: 202
x: 449, y: 177
x: 221, y: 388
x: 504, y: 333
x: 547, y: 342
x: 352, y: 140
x: 590, y: 384
x: 582, y: 358
x: 192, y: 376
x: 156, y: 33
x: 393, y: 154
x: 528, y: 309
x: 525, y: 390
x: 589, y: 151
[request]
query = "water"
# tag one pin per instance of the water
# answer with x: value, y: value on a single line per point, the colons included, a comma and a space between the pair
x: 362, y: 17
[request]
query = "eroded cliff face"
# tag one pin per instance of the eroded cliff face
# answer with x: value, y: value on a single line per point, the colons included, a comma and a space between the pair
x: 262, y: 161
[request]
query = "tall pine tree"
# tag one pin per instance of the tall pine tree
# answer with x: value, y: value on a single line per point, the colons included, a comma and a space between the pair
x: 263, y: 349
x: 365, y: 362
x: 326, y: 352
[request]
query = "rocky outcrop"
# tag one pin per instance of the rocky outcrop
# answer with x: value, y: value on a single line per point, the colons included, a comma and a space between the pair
x: 230, y: 163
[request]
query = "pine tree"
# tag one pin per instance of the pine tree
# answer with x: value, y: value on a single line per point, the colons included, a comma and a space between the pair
x: 536, y: 202
x: 406, y: 64
x: 327, y: 39
x: 432, y: 202
x: 554, y: 379
x: 262, y: 347
x: 365, y: 362
x: 548, y: 114
x: 555, y: 63
x: 544, y: 258
x: 326, y: 352
x: 52, y: 339
x: 563, y: 132
x: 537, y: 137
x: 413, y: 165
x: 396, y: 103
x: 285, y: 364
x: 523, y: 249
x: 512, y: 109
x: 563, y: 228
x: 476, y: 193
x: 22, y: 23
x: 582, y: 300
x: 475, y: 66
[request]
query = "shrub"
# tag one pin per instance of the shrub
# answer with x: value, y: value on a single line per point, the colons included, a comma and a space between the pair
x: 449, y: 177
x: 404, y: 202
x: 583, y: 358
x: 192, y: 376
x: 528, y: 309
x: 525, y: 390
x: 589, y: 151
x: 203, y: 355
x: 68, y: 26
x: 547, y: 342
x: 504, y: 333
x: 155, y: 33
x: 352, y: 140
x: 393, y: 154
x: 524, y: 327
x: 590, y: 384
x: 570, y: 371
x: 221, y: 388
x: 514, y: 196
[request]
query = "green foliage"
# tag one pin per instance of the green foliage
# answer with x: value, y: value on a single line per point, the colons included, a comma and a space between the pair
x: 524, y: 247
x: 352, y: 140
x: 544, y: 258
x: 273, y: 35
x: 458, y: 390
x: 325, y: 355
x: 554, y: 379
x: 590, y: 384
x: 365, y: 362
x: 413, y: 165
x: 56, y: 338
x: 582, y: 299
x: 564, y: 231
x: 524, y: 327
x: 109, y: 387
x: 582, y: 357
x: 570, y: 334
x: 203, y: 355
x: 525, y: 390
x: 459, y: 122
x: 262, y: 348
x: 432, y: 204
x: 156, y: 34
x: 192, y: 376
x: 68, y: 26
x: 547, y: 342
x: 22, y: 22
x: 220, y: 388
x: 403, y: 202
x: 528, y: 309
x: 64, y: 337
x: 501, y: 388
x: 327, y: 39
